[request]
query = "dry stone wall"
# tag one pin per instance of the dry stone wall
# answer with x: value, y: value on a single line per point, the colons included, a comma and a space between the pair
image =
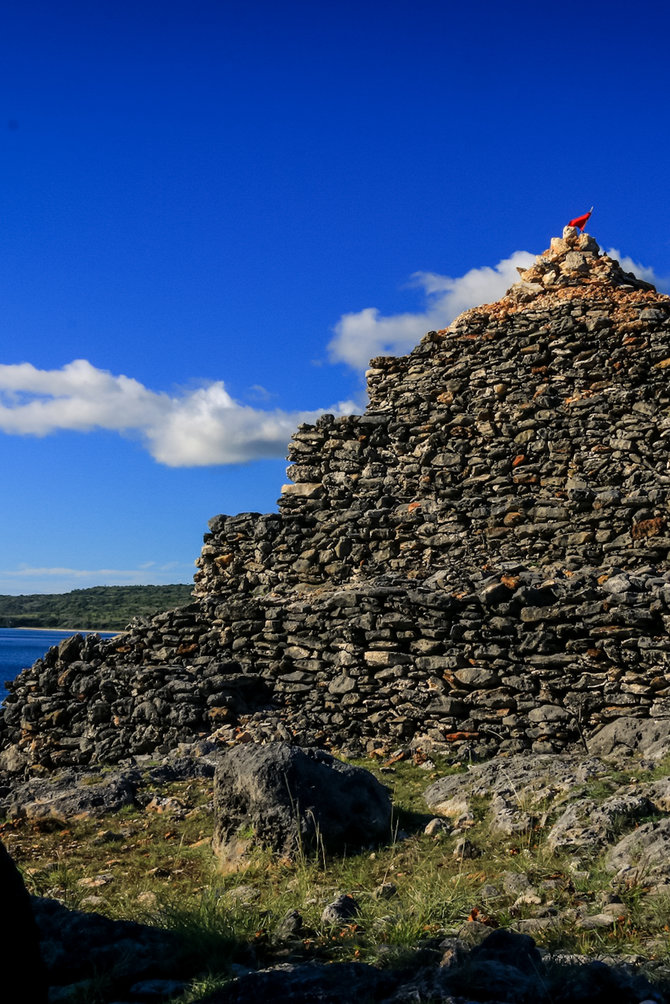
x: 520, y: 661
x: 481, y: 557
x: 535, y: 430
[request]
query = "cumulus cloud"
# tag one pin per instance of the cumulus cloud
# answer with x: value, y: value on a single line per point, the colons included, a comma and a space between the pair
x: 661, y: 282
x: 206, y: 426
x: 367, y: 333
x: 196, y: 428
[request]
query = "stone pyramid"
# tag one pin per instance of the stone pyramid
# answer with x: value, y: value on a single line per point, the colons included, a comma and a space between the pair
x: 531, y: 430
x: 481, y: 557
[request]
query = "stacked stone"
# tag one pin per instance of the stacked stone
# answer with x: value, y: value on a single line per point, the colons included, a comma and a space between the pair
x: 482, y: 556
x: 519, y: 661
x: 533, y: 429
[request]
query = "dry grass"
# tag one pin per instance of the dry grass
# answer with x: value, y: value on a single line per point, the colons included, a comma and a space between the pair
x: 158, y: 868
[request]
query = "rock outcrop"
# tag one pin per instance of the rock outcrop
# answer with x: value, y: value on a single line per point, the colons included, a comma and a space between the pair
x: 481, y: 557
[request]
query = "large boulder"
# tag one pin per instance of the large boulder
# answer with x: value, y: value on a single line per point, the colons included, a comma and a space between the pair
x: 23, y: 975
x: 289, y: 800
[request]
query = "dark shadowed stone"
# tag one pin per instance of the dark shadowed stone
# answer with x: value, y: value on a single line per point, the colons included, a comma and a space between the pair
x: 341, y: 910
x: 23, y: 976
x: 157, y: 990
x: 505, y: 966
x: 339, y: 983
x: 78, y: 946
x: 287, y: 799
x: 507, y: 946
x: 598, y: 983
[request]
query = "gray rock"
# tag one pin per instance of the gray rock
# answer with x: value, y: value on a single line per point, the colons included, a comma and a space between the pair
x: 588, y: 825
x: 648, y: 738
x: 657, y: 793
x: 13, y: 759
x: 596, y: 921
x: 466, y: 849
x: 72, y: 794
x: 341, y: 910
x: 515, y: 882
x: 509, y: 817
x: 242, y: 894
x: 436, y: 827
x: 289, y: 926
x: 291, y: 800
x: 643, y: 854
x: 522, y: 788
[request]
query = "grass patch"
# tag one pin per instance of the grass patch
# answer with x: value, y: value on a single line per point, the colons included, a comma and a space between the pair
x: 158, y: 867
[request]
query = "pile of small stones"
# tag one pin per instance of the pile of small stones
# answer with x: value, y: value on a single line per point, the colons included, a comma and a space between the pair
x: 480, y: 558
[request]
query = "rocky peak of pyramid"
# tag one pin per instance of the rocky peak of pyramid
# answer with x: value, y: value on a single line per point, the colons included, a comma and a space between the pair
x: 502, y: 438
x: 574, y: 261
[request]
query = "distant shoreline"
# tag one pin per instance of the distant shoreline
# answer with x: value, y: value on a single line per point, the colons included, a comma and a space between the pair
x: 67, y: 630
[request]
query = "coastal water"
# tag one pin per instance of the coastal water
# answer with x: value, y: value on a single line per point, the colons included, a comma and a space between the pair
x: 20, y: 647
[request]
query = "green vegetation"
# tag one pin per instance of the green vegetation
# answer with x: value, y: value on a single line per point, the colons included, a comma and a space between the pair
x: 101, y: 608
x: 156, y: 866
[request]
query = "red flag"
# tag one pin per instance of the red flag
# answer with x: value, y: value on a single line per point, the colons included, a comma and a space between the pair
x: 580, y: 221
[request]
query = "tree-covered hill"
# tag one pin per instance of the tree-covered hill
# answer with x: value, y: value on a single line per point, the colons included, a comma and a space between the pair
x: 102, y: 608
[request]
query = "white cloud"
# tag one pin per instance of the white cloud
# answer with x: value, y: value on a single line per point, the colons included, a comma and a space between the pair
x: 365, y: 334
x: 83, y: 573
x: 196, y: 428
x: 28, y: 579
x: 259, y: 393
x: 207, y: 426
x: 661, y: 282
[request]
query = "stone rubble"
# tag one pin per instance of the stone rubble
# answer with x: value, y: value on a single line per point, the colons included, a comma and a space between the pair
x: 479, y: 561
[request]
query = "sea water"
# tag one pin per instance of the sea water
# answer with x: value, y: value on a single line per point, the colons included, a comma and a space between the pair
x: 20, y: 647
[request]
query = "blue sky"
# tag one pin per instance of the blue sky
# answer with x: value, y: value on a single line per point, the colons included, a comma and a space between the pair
x: 213, y: 214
